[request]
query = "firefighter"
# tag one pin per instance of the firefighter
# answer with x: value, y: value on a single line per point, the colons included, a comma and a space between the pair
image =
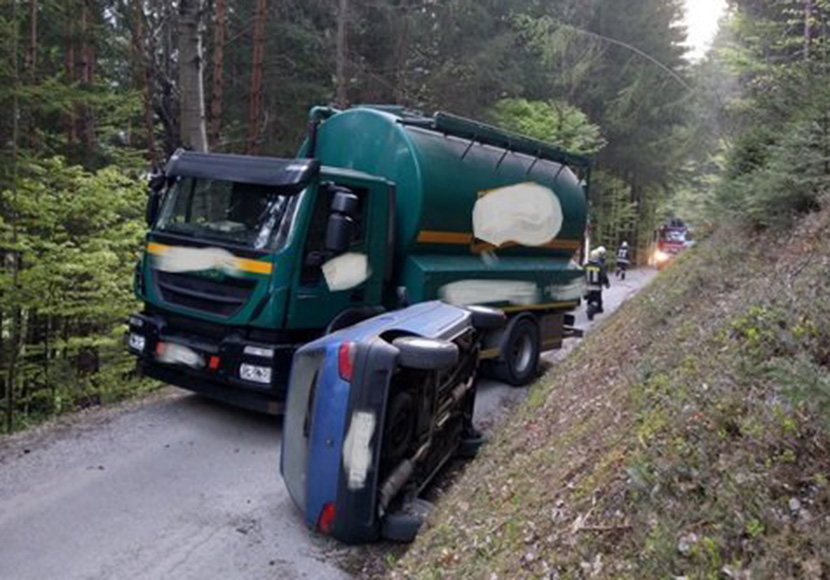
x: 623, y: 260
x: 597, y: 276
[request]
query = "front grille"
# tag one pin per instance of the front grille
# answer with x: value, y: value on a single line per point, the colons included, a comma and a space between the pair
x: 221, y: 298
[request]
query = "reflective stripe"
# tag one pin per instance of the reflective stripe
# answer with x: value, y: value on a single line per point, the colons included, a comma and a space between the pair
x: 242, y: 264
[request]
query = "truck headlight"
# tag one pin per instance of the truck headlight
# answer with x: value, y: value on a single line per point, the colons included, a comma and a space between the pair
x: 137, y: 342
x: 259, y: 351
x: 661, y: 256
x: 255, y: 374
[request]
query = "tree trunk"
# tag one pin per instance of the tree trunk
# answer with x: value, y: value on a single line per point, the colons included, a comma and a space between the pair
x: 342, y: 98
x: 87, y: 78
x: 71, y: 129
x: 217, y: 93
x: 11, y: 367
x: 809, y: 6
x: 144, y: 77
x: 191, y: 84
x: 255, y: 105
x: 31, y: 57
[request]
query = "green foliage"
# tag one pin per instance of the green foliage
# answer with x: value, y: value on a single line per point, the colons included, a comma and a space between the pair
x: 555, y: 122
x: 778, y: 159
x: 78, y: 237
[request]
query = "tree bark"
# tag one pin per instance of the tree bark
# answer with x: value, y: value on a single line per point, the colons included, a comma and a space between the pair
x: 143, y: 63
x: 217, y: 93
x: 809, y: 5
x: 69, y: 61
x: 255, y: 105
x: 32, y: 55
x: 342, y: 97
x: 191, y: 83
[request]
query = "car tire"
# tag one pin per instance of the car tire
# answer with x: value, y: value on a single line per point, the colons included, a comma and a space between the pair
x: 520, y: 349
x: 426, y: 354
x: 403, y: 525
x: 487, y: 318
x: 469, y: 447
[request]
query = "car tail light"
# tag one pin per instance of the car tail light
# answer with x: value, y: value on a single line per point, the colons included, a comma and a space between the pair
x: 326, y: 522
x: 345, y: 360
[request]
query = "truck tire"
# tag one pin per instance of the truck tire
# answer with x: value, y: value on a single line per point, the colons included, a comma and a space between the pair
x: 487, y: 318
x: 426, y: 354
x: 520, y: 352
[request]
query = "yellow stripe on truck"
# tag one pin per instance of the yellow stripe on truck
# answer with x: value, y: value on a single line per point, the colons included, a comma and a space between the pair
x: 242, y: 264
x: 468, y: 239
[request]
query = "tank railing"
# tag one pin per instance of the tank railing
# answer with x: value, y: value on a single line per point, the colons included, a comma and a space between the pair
x: 488, y: 135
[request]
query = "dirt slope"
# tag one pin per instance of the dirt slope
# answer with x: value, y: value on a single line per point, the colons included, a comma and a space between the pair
x: 687, y: 437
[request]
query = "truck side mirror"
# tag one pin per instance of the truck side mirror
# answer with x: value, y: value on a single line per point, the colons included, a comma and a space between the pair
x: 153, y: 203
x: 339, y: 232
x: 340, y: 228
x: 156, y: 184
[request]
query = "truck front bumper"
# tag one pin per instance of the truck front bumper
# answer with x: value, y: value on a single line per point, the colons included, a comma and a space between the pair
x: 231, y: 369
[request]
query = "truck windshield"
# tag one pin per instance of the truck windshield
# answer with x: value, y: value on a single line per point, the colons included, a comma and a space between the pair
x: 256, y: 216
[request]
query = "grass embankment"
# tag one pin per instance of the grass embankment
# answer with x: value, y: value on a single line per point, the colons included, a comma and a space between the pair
x: 688, y: 436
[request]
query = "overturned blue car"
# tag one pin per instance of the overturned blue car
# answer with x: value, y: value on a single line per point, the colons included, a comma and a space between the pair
x: 373, y: 413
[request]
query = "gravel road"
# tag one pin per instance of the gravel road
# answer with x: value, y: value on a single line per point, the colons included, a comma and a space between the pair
x: 171, y: 487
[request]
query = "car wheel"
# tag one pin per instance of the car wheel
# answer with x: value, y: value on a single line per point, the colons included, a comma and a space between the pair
x: 426, y: 354
x: 403, y: 525
x: 520, y: 352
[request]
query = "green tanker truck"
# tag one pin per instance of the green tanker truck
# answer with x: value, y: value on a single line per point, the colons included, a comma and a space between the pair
x: 247, y: 258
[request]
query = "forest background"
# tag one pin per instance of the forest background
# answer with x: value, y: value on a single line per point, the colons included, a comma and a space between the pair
x: 96, y: 94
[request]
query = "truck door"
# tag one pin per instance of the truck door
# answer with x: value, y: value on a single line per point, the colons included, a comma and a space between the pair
x: 314, y: 302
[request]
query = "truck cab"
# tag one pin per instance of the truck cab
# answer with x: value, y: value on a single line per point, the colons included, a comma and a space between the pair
x: 241, y: 266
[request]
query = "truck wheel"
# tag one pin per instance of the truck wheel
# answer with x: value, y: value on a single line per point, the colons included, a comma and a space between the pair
x: 520, y: 352
x: 487, y: 318
x: 426, y: 354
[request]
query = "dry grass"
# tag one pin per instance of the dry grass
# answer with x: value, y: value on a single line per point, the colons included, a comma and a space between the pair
x: 686, y: 438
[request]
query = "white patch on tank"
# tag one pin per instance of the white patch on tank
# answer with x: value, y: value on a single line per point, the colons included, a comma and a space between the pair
x: 566, y: 292
x: 357, y: 449
x: 346, y: 271
x: 179, y: 259
x: 466, y: 292
x: 528, y: 214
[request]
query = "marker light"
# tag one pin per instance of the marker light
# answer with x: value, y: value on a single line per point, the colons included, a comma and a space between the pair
x: 345, y: 360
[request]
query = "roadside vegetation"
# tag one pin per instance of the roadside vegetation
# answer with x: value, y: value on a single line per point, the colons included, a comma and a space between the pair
x: 688, y: 436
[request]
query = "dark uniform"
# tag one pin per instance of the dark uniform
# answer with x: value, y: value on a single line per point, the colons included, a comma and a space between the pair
x: 597, y: 276
x: 623, y: 261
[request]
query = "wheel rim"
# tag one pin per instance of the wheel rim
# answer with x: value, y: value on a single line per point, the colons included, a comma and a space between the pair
x: 522, y: 353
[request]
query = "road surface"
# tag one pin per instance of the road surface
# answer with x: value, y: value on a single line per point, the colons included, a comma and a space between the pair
x: 174, y: 486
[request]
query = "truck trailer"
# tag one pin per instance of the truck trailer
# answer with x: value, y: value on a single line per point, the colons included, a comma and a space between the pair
x: 248, y: 258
